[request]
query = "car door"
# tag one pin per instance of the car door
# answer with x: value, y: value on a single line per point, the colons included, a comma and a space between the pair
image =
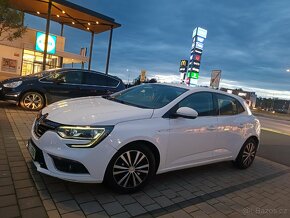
x: 66, y: 85
x: 95, y: 84
x: 231, y: 126
x: 192, y: 141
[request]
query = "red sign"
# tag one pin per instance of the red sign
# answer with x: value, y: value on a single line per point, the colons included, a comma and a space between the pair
x: 197, y: 57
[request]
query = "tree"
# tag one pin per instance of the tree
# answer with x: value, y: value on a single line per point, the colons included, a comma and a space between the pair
x: 11, y: 22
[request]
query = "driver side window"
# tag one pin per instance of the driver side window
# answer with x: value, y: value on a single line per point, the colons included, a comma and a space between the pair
x: 202, y: 102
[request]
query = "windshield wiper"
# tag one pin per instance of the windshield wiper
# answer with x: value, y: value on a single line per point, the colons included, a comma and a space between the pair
x: 124, y: 102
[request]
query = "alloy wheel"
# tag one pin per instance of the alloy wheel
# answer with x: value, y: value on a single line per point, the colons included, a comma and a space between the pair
x: 131, y: 169
x: 249, y: 154
x: 32, y: 101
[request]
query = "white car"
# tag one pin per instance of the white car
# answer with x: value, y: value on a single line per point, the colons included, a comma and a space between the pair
x: 126, y: 138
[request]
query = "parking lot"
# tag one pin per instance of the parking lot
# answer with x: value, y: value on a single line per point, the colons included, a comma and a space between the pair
x: 217, y: 190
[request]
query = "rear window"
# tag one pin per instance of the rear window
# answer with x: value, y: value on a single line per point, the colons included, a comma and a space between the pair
x: 227, y: 105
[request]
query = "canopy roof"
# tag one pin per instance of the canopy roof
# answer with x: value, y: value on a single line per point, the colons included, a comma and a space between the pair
x: 67, y: 13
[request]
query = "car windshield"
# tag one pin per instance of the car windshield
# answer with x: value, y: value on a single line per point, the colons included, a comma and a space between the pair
x: 151, y: 96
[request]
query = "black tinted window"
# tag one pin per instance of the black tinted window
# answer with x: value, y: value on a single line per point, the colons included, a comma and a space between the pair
x: 99, y: 80
x: 227, y: 105
x: 112, y: 82
x: 72, y: 77
x: 241, y: 109
x: 95, y: 79
x: 201, y: 102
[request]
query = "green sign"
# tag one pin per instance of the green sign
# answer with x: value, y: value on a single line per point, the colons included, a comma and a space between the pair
x: 40, y: 42
x: 193, y: 75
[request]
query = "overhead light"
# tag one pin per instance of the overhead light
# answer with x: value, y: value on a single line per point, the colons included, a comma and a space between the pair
x: 38, y: 12
x: 89, y: 24
x: 63, y: 12
x: 88, y: 28
x: 57, y: 15
x: 73, y: 22
x: 97, y: 22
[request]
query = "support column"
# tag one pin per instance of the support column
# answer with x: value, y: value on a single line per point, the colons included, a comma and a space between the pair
x: 61, y: 34
x: 109, y: 50
x: 46, y: 34
x: 91, y: 50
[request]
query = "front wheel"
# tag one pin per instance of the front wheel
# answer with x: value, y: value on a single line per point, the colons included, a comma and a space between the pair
x: 130, y: 169
x: 247, y: 154
x: 32, y: 101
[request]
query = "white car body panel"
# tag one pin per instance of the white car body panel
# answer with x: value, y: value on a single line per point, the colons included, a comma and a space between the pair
x: 181, y: 142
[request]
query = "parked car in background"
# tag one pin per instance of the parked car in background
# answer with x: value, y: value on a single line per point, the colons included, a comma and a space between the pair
x: 33, y: 92
x: 126, y: 138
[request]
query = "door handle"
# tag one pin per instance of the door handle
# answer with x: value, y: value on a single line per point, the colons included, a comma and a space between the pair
x: 211, y: 128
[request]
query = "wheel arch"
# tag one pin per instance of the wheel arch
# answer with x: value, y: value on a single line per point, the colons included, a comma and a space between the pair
x: 149, y: 145
x: 33, y: 90
x: 255, y: 138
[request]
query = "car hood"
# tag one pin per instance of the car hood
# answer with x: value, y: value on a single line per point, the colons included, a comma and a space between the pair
x: 93, y: 111
x: 23, y: 78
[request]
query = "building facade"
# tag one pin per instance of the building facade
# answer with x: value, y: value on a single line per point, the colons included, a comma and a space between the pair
x: 24, y: 56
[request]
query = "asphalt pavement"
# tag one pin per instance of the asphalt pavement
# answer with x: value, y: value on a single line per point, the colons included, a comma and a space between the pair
x: 275, y: 140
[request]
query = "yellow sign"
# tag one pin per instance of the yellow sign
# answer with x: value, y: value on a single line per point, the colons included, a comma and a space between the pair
x: 143, y: 76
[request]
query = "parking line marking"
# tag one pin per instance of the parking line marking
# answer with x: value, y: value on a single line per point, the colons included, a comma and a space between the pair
x: 275, y: 131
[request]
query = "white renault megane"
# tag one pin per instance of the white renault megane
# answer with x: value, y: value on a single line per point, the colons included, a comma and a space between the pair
x: 126, y: 138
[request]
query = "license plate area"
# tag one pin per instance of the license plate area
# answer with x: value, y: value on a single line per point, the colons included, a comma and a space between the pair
x: 31, y: 150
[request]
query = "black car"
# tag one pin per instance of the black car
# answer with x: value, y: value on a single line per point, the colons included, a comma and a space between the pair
x: 33, y: 92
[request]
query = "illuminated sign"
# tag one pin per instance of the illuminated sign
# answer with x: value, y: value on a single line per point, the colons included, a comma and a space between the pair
x: 198, y: 31
x: 200, y: 39
x: 197, y: 57
x: 199, y: 45
x: 183, y: 66
x: 193, y: 75
x: 40, y: 42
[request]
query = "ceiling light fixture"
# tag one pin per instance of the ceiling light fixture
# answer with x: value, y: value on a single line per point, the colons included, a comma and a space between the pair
x: 63, y: 12
x: 73, y: 22
x: 38, y: 12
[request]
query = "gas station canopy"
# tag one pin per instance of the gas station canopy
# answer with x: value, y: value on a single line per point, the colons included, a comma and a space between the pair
x: 67, y: 13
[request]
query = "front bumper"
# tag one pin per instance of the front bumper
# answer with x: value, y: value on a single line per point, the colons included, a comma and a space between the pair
x: 86, y: 165
x: 7, y: 94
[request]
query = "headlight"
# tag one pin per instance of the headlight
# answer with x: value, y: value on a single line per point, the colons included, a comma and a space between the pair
x: 94, y: 134
x: 13, y: 84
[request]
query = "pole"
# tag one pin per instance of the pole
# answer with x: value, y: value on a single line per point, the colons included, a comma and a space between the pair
x: 109, y: 50
x: 91, y: 50
x: 61, y: 34
x: 46, y: 34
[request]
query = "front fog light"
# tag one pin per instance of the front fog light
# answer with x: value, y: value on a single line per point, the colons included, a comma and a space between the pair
x: 94, y: 134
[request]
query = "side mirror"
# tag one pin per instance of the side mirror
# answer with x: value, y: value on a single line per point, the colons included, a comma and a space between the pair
x: 186, y: 112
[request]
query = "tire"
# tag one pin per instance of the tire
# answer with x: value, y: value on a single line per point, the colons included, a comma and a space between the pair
x: 247, y: 154
x: 130, y: 169
x: 32, y: 101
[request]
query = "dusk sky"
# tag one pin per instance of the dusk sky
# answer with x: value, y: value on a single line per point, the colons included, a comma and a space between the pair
x: 248, y: 40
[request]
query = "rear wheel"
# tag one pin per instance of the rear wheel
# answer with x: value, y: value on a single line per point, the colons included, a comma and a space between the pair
x: 32, y: 101
x: 130, y: 169
x: 247, y: 154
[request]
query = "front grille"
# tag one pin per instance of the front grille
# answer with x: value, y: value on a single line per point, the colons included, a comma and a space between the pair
x: 69, y: 166
x: 43, y: 125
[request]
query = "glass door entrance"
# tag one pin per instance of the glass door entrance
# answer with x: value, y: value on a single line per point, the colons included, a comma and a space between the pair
x: 32, y: 62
